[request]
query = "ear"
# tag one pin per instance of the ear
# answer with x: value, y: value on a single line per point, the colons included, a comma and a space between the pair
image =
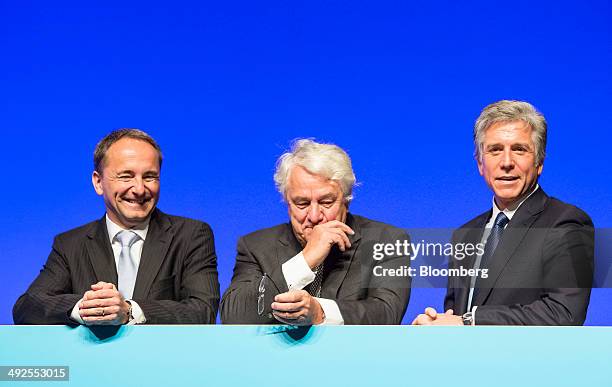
x: 96, y: 180
x: 480, y: 166
x: 540, y: 167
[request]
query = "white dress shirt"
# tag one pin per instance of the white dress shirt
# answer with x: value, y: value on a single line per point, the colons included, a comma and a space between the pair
x: 135, y: 251
x: 298, y: 275
x: 509, y: 212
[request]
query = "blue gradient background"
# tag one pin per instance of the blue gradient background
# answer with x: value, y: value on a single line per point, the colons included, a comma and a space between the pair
x: 225, y: 86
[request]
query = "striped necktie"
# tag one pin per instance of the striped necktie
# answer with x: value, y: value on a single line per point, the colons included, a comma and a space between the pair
x: 492, y: 241
x: 127, y: 269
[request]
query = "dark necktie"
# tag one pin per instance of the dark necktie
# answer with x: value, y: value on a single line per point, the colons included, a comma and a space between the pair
x: 314, y: 288
x: 493, y: 240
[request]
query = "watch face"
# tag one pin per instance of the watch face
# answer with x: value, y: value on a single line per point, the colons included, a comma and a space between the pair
x: 468, y: 318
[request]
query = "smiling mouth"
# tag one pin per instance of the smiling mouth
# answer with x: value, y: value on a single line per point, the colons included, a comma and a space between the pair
x: 507, y: 178
x: 136, y: 201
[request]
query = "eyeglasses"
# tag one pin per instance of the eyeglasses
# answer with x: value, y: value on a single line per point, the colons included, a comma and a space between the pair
x: 260, y: 297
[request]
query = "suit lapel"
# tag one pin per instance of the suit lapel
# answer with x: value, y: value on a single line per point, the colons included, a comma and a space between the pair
x: 514, y: 233
x: 154, y: 251
x: 287, y: 247
x: 338, y: 263
x: 100, y: 253
x: 473, y: 235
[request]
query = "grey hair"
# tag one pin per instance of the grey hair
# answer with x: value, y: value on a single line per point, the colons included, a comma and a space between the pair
x: 327, y: 160
x: 507, y: 111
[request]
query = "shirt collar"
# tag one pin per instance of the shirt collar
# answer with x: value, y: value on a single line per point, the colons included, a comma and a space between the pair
x: 114, y: 229
x: 507, y: 212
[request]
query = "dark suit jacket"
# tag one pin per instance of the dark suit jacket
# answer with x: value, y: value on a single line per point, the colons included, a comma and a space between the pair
x: 347, y: 279
x: 541, y: 272
x: 176, y: 282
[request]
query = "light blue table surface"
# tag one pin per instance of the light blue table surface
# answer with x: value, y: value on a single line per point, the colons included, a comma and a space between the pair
x: 341, y: 356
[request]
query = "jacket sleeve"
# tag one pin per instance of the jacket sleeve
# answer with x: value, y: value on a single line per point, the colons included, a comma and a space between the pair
x: 198, y: 299
x: 50, y: 298
x: 387, y: 297
x: 240, y: 301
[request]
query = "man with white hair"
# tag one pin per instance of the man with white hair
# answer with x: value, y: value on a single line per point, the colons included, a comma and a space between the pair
x: 318, y: 268
x: 538, y: 250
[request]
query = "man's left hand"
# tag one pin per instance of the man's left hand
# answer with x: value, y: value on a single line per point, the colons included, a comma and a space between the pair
x: 297, y: 308
x: 104, y: 305
x: 431, y: 317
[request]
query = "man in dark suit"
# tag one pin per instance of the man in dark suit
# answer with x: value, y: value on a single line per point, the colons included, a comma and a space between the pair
x: 320, y: 267
x: 135, y: 265
x: 538, y: 251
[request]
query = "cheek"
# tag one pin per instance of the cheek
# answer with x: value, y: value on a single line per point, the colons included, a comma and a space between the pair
x: 153, y: 188
x: 334, y: 213
x: 298, y: 217
x: 110, y: 190
x: 528, y: 168
x: 488, y: 169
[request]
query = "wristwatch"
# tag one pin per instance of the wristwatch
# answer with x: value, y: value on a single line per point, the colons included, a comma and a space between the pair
x: 468, y: 318
x: 129, y: 313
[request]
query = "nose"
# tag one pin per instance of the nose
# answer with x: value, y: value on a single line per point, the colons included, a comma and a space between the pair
x: 315, y: 215
x: 138, y: 188
x: 507, y: 162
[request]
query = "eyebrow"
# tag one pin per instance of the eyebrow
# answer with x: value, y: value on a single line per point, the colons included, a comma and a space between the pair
x: 523, y: 144
x: 498, y: 144
x: 124, y: 171
x: 324, y: 197
x: 131, y: 172
x: 329, y: 196
x: 299, y: 198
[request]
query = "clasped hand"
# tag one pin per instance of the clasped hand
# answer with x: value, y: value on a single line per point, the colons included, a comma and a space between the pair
x: 431, y: 317
x: 104, y: 305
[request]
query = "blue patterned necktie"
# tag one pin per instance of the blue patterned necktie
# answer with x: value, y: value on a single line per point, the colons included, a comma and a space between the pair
x: 493, y: 240
x: 127, y: 267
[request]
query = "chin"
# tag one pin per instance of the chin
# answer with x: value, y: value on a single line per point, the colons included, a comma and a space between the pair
x: 507, y: 194
x: 505, y: 197
x: 138, y: 217
x: 508, y: 200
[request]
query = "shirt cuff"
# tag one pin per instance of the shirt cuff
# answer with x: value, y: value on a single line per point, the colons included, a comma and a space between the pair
x: 75, y: 313
x: 137, y: 313
x: 474, y: 315
x: 297, y: 273
x: 331, y: 310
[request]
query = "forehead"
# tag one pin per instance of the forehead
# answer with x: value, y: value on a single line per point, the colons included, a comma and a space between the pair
x: 130, y: 152
x: 508, y: 131
x: 306, y: 184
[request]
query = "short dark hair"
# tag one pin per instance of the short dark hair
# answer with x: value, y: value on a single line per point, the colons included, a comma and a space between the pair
x: 116, y: 135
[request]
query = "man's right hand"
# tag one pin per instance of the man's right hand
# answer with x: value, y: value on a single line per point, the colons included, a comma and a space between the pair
x: 321, y: 240
x: 104, y: 305
x: 432, y: 317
